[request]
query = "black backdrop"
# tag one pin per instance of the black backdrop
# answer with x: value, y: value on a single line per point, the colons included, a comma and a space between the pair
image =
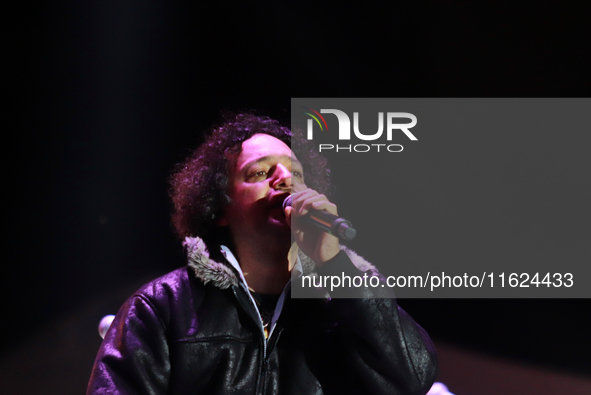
x: 102, y: 99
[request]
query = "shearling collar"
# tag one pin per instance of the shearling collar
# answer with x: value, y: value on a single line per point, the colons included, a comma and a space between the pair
x: 223, y: 276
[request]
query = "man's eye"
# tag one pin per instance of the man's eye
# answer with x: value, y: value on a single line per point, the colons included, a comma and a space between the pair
x: 260, y: 173
x: 297, y: 174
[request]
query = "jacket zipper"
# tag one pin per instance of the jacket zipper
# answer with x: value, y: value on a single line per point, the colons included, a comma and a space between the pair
x: 274, y: 336
x: 273, y: 340
x: 256, y: 319
x: 249, y: 310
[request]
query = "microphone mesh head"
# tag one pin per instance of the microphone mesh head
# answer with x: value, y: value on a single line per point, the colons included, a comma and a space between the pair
x: 287, y: 202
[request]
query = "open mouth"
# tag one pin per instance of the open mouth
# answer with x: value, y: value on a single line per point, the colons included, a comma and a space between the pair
x: 278, y: 199
x: 275, y: 208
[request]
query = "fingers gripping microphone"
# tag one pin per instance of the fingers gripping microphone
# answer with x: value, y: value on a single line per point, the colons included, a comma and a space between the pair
x: 329, y: 223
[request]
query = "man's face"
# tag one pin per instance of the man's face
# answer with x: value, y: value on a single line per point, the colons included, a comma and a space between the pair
x: 262, y: 175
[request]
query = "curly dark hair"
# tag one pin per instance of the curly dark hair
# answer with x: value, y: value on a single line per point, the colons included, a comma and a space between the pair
x: 199, y: 184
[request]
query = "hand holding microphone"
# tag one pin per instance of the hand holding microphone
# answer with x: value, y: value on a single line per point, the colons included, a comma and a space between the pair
x: 328, y: 222
x: 310, y: 236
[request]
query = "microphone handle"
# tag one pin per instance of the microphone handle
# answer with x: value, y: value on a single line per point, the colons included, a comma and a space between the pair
x: 332, y: 224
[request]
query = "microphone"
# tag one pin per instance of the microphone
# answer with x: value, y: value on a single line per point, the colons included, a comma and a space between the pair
x: 329, y: 223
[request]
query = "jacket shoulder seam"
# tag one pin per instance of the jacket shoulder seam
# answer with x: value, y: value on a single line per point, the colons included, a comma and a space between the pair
x: 152, y: 306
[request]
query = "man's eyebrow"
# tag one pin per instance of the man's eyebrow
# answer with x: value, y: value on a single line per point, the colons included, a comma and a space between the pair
x: 253, y: 162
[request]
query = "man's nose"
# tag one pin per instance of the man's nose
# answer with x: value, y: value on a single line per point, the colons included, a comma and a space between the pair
x: 282, y: 177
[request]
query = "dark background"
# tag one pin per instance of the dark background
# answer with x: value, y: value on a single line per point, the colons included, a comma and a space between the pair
x: 102, y: 100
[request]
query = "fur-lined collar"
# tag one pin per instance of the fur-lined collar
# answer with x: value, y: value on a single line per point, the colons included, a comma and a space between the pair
x: 223, y: 276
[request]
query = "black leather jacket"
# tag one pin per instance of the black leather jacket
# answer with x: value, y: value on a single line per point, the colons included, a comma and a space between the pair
x: 196, y: 331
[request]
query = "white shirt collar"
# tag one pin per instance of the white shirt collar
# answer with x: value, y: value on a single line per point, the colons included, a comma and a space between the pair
x: 296, y: 272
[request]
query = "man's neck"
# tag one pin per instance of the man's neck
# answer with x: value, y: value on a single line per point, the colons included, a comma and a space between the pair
x: 265, y: 267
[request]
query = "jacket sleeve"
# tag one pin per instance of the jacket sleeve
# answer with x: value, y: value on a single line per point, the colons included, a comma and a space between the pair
x: 386, y: 348
x: 134, y: 356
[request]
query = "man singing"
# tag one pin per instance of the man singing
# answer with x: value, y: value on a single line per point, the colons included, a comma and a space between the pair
x: 226, y: 323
